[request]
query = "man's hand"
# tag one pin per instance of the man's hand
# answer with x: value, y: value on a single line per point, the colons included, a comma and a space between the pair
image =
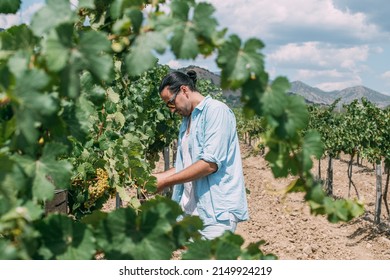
x: 193, y: 172
x: 161, y: 178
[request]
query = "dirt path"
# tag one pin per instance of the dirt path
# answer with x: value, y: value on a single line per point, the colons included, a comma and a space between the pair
x: 291, y: 232
x: 289, y: 229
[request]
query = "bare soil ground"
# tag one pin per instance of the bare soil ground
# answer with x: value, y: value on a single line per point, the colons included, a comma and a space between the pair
x: 292, y: 233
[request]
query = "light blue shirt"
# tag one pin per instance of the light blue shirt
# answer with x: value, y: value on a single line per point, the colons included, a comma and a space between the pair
x: 220, y: 196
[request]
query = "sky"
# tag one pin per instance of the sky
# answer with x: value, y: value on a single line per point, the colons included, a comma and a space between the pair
x: 329, y: 44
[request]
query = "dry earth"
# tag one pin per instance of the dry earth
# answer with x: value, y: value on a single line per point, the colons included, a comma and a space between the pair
x: 292, y: 233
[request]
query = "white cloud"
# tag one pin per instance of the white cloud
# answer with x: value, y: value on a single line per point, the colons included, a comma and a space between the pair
x: 20, y: 17
x: 7, y: 21
x: 322, y: 65
x: 260, y: 18
x: 74, y: 3
x: 30, y: 11
x: 318, y: 55
x: 386, y: 76
x: 377, y: 50
x: 174, y: 64
x: 305, y: 74
x: 329, y: 80
x: 330, y: 86
x: 325, y: 45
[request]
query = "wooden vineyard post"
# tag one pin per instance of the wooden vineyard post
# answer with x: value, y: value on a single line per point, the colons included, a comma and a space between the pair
x: 166, y: 158
x: 166, y: 191
x: 59, y: 203
x: 378, y: 202
x: 118, y: 201
x: 319, y: 169
x: 174, y: 151
x: 386, y: 190
x: 329, y: 178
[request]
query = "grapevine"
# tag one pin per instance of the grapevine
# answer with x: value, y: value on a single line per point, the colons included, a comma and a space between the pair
x: 360, y: 129
x: 81, y: 95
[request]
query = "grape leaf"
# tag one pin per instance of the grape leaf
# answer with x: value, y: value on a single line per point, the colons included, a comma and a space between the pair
x: 205, y: 24
x: 94, y: 47
x: 184, y: 42
x: 9, y: 6
x: 226, y: 247
x: 150, y: 234
x: 57, y: 46
x: 51, y: 173
x: 180, y: 9
x: 141, y: 57
x: 65, y: 239
x: 51, y: 15
x: 34, y: 105
x: 286, y: 113
x: 17, y: 37
x: 118, y: 6
x: 239, y: 63
x: 8, y: 251
x: 312, y: 146
x: 136, y: 18
x: 90, y: 4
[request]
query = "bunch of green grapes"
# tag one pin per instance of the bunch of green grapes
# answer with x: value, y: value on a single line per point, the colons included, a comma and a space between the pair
x: 98, y: 187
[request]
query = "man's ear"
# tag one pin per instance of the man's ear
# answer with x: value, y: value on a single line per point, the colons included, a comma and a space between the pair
x: 185, y: 90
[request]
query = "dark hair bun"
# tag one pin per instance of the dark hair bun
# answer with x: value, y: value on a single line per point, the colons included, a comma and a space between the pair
x: 193, y: 76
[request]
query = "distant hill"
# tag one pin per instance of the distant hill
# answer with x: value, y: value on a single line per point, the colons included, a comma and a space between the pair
x: 203, y: 73
x: 232, y: 97
x: 206, y: 74
x: 315, y: 95
x: 311, y: 95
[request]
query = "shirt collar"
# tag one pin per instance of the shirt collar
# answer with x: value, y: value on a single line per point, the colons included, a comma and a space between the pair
x: 203, y: 103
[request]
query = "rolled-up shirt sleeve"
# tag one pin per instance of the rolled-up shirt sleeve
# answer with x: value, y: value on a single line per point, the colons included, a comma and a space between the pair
x: 218, y: 126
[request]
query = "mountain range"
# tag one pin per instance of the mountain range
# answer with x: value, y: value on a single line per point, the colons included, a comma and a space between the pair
x: 311, y: 94
x: 347, y: 95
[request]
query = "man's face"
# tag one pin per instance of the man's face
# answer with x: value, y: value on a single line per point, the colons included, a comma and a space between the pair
x: 177, y: 102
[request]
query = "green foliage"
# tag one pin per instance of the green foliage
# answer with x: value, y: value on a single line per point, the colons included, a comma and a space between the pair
x: 9, y: 6
x: 142, y: 54
x: 207, y: 87
x: 227, y: 247
x: 128, y: 129
x: 151, y: 233
x: 240, y: 63
x: 48, y: 172
x: 336, y: 210
x: 251, y: 128
x: 361, y: 128
x: 63, y: 238
x: 80, y: 98
x: 292, y: 143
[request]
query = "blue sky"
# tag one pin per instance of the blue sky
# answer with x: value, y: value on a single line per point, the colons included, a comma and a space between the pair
x: 329, y: 44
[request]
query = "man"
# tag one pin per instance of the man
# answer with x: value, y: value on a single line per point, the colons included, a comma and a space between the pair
x: 208, y: 175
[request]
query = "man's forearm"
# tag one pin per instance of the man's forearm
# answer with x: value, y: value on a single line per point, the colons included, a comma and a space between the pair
x: 166, y: 173
x: 193, y: 172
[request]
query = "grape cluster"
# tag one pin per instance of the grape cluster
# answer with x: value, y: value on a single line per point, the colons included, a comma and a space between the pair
x: 97, y: 187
